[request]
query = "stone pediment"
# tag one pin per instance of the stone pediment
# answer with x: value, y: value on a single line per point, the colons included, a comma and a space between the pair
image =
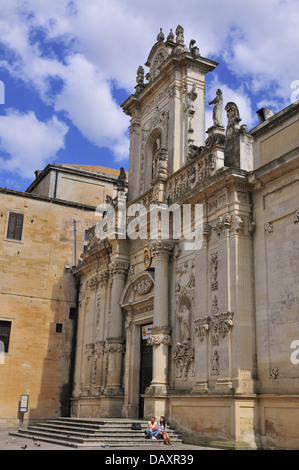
x: 138, y: 289
x: 159, y: 53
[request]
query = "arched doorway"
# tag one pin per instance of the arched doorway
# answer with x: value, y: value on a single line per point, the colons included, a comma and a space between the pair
x: 138, y: 306
x: 146, y: 365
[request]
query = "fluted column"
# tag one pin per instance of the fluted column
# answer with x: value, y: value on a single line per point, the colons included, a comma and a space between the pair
x: 115, y: 346
x: 161, y: 339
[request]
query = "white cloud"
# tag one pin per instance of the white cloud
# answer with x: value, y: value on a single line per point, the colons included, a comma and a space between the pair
x: 28, y: 143
x: 87, y: 99
x: 106, y: 40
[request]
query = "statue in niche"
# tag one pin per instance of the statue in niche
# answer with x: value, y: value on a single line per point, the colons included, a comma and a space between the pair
x: 218, y: 109
x: 156, y: 151
x: 185, y: 324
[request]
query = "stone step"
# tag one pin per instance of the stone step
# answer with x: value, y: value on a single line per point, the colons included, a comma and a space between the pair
x: 76, y: 432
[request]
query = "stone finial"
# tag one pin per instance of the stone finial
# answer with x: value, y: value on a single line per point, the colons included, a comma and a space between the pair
x: 160, y: 37
x: 140, y: 80
x: 140, y: 76
x: 194, y: 49
x: 170, y: 36
x: 179, y: 35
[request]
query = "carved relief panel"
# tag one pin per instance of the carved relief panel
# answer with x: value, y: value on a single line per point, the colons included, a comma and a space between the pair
x: 184, y: 292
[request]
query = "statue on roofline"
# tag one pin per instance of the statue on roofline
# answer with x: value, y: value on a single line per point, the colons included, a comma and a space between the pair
x: 121, y: 180
x: 218, y: 109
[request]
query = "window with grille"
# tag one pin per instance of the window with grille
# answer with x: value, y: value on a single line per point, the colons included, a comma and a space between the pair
x: 5, y: 327
x: 15, y: 226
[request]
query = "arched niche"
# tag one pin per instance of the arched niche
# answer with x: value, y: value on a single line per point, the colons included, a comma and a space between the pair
x: 154, y: 145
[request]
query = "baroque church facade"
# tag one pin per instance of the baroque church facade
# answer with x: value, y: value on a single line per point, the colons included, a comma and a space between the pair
x: 203, y: 336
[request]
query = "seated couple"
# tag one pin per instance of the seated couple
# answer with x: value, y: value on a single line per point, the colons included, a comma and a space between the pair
x: 158, y: 431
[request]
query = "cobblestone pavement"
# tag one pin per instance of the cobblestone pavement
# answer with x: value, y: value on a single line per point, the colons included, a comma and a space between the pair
x: 8, y: 442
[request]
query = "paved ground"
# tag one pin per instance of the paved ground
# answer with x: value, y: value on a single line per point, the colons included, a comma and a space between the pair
x: 8, y: 442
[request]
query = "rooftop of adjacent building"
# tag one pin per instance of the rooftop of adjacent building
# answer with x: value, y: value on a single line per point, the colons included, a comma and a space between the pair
x: 268, y: 119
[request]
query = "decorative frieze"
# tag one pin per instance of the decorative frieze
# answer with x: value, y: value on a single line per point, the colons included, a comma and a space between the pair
x: 192, y: 175
x: 143, y: 309
x: 296, y: 217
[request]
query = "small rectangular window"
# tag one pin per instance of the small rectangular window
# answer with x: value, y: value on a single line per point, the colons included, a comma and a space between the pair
x: 58, y: 327
x: 5, y: 327
x: 15, y: 226
x: 72, y: 314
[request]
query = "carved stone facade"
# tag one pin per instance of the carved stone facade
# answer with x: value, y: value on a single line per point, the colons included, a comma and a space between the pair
x: 214, y: 316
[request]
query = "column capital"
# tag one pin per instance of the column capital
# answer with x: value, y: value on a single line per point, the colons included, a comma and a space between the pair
x: 161, y: 249
x: 160, y: 335
x: 115, y: 345
x: 119, y: 268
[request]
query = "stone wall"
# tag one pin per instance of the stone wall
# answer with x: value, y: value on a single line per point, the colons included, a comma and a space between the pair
x: 37, y: 293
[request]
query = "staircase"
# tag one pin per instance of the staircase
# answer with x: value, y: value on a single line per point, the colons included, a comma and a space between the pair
x: 92, y: 432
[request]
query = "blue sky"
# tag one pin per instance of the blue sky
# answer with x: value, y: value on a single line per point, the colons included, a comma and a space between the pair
x: 67, y: 66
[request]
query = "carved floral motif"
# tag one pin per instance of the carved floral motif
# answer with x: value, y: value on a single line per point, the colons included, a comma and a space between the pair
x: 183, y: 356
x: 202, y: 326
x: 214, y: 270
x: 144, y: 287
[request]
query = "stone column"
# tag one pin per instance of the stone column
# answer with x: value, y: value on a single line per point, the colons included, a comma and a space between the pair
x: 161, y: 331
x: 115, y: 343
x: 202, y: 322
